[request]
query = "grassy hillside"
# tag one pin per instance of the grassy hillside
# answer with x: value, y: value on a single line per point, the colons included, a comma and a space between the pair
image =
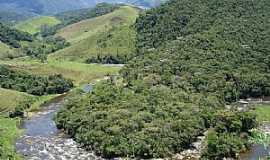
x: 34, y: 25
x: 10, y: 99
x: 108, y: 34
x: 8, y: 52
x: 78, y: 72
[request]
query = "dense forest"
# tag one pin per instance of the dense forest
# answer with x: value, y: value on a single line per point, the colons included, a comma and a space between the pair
x: 32, y: 84
x: 193, y: 58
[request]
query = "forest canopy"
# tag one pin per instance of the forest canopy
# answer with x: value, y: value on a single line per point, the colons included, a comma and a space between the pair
x: 193, y: 58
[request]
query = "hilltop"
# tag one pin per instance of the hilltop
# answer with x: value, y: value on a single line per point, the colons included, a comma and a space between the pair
x: 108, y: 35
x: 49, y: 7
x: 34, y: 25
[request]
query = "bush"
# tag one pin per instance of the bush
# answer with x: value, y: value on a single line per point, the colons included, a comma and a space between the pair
x: 224, y: 145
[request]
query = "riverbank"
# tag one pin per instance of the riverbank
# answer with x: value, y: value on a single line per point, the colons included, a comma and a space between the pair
x: 259, y: 151
x: 9, y: 131
x: 9, y: 127
x: 42, y: 139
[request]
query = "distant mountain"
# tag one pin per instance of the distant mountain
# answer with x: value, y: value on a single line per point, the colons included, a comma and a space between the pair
x: 55, y: 6
x: 44, y: 6
x: 11, y: 18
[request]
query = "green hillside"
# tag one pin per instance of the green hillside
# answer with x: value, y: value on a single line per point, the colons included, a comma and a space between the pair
x: 8, y: 52
x: 34, y: 25
x: 79, y: 73
x: 110, y: 34
x: 10, y: 99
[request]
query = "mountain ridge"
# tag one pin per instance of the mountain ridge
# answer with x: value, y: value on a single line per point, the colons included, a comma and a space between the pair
x: 44, y: 7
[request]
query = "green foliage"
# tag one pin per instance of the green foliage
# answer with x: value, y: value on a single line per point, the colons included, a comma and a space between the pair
x: 105, y: 39
x: 36, y: 24
x: 40, y: 49
x: 71, y: 17
x: 193, y: 58
x: 262, y: 112
x: 31, y: 84
x: 115, y: 121
x: 214, y: 46
x: 8, y: 135
x: 223, y: 145
x: 13, y: 37
x: 229, y: 134
x: 100, y: 9
x: 260, y: 137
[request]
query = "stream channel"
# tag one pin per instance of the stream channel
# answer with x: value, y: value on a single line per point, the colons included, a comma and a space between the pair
x: 43, y: 141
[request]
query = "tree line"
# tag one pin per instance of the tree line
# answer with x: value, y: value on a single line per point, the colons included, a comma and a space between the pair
x: 33, y: 84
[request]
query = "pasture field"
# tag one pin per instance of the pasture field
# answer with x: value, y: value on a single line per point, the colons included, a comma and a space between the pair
x: 8, y: 52
x: 79, y: 73
x: 34, y: 25
x: 108, y: 34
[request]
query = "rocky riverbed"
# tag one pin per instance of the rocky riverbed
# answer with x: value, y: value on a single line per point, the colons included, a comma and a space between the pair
x: 43, y: 141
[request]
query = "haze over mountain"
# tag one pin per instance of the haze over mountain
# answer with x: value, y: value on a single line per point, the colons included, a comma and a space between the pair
x: 33, y: 7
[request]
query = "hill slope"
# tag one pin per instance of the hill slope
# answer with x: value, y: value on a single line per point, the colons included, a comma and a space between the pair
x: 43, y: 6
x: 11, y: 99
x: 109, y: 34
x: 34, y: 25
x: 7, y: 51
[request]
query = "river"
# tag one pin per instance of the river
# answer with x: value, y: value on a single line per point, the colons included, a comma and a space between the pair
x: 43, y: 141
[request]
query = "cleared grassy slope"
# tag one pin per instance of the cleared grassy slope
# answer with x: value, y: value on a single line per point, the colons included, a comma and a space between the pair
x: 34, y: 25
x: 10, y: 99
x: 108, y: 34
x: 6, y: 51
x: 78, y: 72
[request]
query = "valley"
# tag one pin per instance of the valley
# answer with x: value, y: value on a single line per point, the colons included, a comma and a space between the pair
x: 90, y: 80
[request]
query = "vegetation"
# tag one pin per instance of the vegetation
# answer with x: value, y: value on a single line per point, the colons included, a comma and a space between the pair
x: 223, y: 139
x: 35, y: 25
x: 79, y: 73
x: 71, y: 17
x: 193, y: 58
x: 36, y: 85
x: 262, y: 112
x: 10, y: 99
x: 13, y: 37
x: 8, y: 134
x: 8, y: 52
x: 105, y: 39
x: 22, y: 44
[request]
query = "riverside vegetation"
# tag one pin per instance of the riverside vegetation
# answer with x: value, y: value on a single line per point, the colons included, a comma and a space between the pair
x: 193, y: 58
